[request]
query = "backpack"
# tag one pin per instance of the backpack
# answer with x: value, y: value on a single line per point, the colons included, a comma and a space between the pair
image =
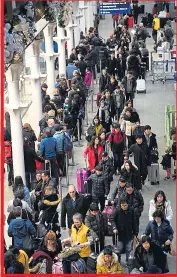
x: 68, y: 146
x: 7, y: 152
x: 57, y: 268
x: 78, y: 267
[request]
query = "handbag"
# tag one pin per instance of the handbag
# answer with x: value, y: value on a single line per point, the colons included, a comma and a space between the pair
x: 28, y: 243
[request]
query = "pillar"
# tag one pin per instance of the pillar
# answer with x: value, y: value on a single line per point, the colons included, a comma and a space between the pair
x: 77, y: 30
x: 61, y: 39
x: 34, y: 52
x: 49, y: 57
x: 89, y: 16
x: 82, y: 11
x: 70, y: 42
x: 13, y: 78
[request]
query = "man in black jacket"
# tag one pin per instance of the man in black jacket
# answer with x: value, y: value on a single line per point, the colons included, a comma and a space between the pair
x: 118, y: 191
x: 82, y: 65
x: 129, y: 86
x: 104, y: 80
x: 112, y: 64
x: 135, y: 201
x: 125, y: 225
x: 72, y: 203
x: 108, y: 168
x: 141, y: 155
x: 100, y: 186
x: 92, y: 59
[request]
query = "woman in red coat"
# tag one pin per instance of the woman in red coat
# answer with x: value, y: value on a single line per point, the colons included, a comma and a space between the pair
x: 93, y: 152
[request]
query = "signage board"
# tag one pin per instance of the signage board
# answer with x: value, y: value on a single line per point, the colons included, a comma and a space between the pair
x: 114, y: 8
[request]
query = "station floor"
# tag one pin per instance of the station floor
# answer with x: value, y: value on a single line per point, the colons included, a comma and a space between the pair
x: 151, y: 108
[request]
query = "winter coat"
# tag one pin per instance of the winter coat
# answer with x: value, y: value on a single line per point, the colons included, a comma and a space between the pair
x: 25, y: 192
x: 48, y: 147
x: 68, y: 209
x: 43, y: 94
x: 99, y: 184
x: 82, y: 67
x: 89, y: 152
x: 166, y: 161
x: 49, y: 206
x: 168, y: 210
x: 125, y: 223
x: 91, y: 58
x: 57, y: 99
x: 7, y: 136
x: 112, y: 86
x: 104, y: 80
x: 135, y: 201
x: 30, y: 157
x: 152, y: 141
x: 160, y: 259
x: 25, y: 206
x: 140, y: 153
x: 102, y: 268
x: 119, y: 100
x: 159, y: 234
x: 112, y: 65
x: 132, y: 176
x: 69, y: 71
x: 18, y: 229
x: 109, y: 103
x: 108, y: 168
x: 117, y: 141
x: 95, y: 223
x: 116, y: 194
x: 31, y: 136
x: 88, y: 78
x: 133, y: 84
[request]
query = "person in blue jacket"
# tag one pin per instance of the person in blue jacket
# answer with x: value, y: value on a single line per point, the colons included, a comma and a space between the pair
x: 19, y: 228
x: 48, y: 147
x: 70, y: 69
x: 160, y: 230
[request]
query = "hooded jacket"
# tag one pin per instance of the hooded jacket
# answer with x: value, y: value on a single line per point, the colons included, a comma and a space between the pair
x: 18, y: 229
x: 160, y: 234
x: 108, y: 168
x: 95, y: 223
x: 99, y: 184
x: 115, y: 266
x: 117, y: 141
x: 49, y: 206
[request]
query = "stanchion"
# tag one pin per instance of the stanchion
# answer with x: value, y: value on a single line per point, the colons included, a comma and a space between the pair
x: 60, y: 187
x: 72, y: 156
x: 86, y: 113
x: 92, y: 100
x: 78, y: 134
x: 67, y: 172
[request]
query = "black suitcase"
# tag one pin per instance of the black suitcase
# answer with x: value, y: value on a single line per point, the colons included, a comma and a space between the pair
x: 92, y: 261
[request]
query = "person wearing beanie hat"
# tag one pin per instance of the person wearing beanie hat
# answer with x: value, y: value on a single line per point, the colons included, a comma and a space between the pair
x: 100, y: 186
x: 141, y: 157
x: 108, y: 168
x: 44, y: 88
x: 94, y: 221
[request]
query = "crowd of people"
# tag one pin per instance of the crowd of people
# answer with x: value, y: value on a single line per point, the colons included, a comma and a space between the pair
x: 37, y: 214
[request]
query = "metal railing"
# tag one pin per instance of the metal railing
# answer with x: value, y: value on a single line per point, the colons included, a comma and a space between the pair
x: 170, y: 122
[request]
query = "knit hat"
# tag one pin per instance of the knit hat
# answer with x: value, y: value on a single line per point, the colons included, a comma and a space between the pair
x: 44, y: 85
x: 94, y: 207
x: 51, y: 113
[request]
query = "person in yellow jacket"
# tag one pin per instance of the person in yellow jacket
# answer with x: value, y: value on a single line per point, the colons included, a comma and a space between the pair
x: 107, y: 262
x: 156, y: 27
x: 80, y: 236
x: 22, y: 257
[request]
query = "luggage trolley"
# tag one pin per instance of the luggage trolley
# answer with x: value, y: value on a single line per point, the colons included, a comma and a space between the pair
x: 157, y: 67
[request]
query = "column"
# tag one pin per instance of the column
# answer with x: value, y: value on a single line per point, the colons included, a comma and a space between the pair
x: 70, y: 42
x: 34, y: 52
x: 87, y: 17
x: 77, y: 30
x: 13, y: 78
x: 82, y: 11
x: 49, y: 57
x: 61, y: 39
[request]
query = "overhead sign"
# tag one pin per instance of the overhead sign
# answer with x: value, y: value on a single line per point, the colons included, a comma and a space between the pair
x: 114, y: 8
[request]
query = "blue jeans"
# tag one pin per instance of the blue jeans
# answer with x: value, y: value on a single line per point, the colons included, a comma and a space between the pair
x: 125, y: 246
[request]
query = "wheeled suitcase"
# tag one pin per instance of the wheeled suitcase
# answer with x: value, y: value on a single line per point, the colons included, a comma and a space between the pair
x: 107, y: 213
x: 153, y: 174
x: 92, y: 261
x: 141, y: 86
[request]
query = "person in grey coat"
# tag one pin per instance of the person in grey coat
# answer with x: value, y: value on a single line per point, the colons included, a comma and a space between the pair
x: 118, y: 191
